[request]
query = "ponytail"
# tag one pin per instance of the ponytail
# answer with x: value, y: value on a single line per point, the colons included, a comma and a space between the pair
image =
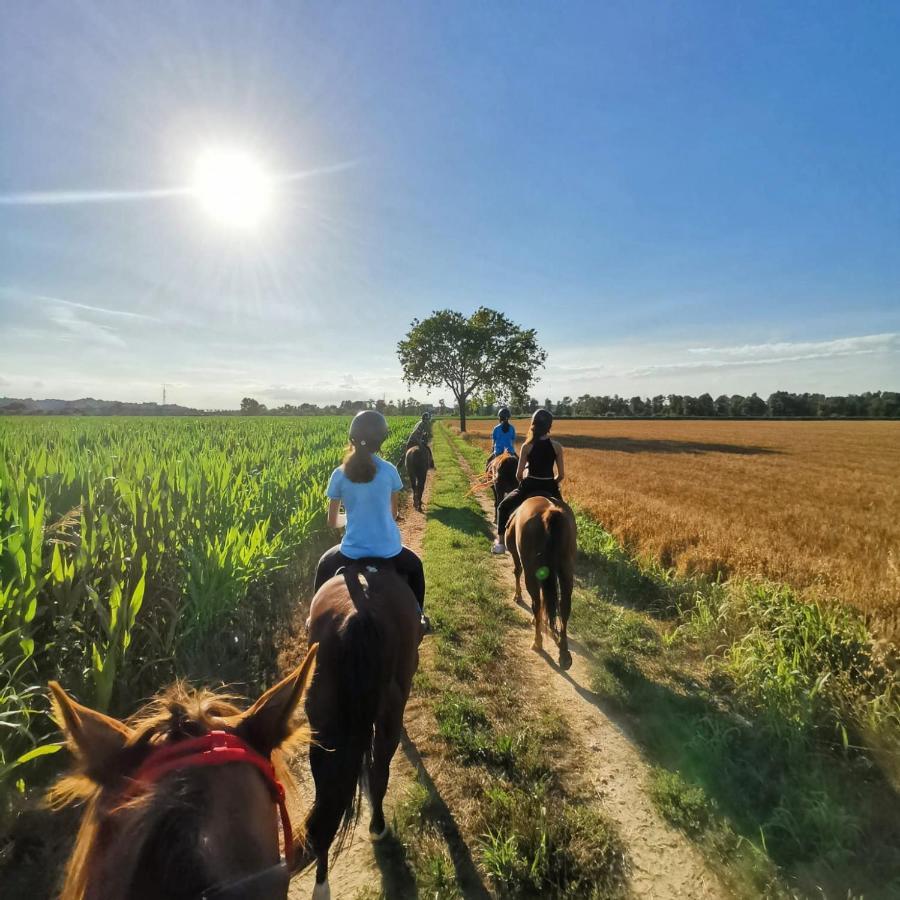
x: 359, y: 464
x: 537, y: 430
x: 504, y: 426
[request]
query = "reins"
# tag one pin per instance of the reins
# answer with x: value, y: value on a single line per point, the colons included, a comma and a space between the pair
x: 486, y: 479
x: 217, y: 748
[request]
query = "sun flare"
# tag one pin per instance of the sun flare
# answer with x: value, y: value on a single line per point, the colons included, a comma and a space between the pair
x: 232, y: 187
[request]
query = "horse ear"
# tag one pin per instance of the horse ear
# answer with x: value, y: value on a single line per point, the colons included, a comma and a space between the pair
x: 267, y: 724
x: 93, y: 737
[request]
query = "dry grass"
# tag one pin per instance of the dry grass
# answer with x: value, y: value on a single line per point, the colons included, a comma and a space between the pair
x: 813, y: 504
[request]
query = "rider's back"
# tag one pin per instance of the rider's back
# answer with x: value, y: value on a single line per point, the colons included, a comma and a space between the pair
x: 371, y: 530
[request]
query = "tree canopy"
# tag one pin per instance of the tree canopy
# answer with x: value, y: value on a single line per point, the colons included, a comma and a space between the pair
x: 484, y: 352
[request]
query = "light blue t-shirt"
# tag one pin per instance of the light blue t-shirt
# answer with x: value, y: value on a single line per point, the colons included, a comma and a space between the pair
x: 504, y: 440
x: 371, y: 529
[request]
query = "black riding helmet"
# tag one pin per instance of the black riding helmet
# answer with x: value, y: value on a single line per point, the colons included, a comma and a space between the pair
x: 542, y: 420
x: 426, y: 416
x: 368, y: 429
x: 503, y: 413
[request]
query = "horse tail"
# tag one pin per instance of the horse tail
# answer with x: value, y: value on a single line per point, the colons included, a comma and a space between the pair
x: 361, y: 678
x: 357, y: 669
x: 555, y: 529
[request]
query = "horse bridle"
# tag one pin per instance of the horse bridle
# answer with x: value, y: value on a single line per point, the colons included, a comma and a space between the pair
x: 218, y: 748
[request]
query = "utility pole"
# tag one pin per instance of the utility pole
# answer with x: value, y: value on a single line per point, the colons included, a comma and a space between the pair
x: 165, y: 385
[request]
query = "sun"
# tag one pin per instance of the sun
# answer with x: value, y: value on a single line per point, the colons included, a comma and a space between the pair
x: 232, y: 187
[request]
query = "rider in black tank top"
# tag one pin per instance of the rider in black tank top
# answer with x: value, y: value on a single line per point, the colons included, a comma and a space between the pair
x: 539, y: 457
x: 541, y: 460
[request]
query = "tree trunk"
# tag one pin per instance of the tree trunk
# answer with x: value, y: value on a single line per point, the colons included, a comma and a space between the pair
x: 462, y: 400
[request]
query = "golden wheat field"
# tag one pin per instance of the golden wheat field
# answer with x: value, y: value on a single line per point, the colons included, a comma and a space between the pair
x: 813, y: 504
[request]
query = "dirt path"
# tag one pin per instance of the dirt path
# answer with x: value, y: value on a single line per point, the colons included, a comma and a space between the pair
x: 603, y: 758
x: 364, y: 869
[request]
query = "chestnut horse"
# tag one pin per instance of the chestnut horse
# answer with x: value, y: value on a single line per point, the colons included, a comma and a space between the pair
x: 365, y: 621
x: 181, y: 799
x: 543, y: 540
x: 417, y: 468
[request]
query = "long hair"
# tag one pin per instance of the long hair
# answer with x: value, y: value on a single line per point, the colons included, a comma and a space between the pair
x: 359, y: 463
x: 537, y: 430
x: 504, y: 426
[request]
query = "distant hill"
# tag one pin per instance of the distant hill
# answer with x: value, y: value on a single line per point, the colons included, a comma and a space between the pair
x: 88, y: 406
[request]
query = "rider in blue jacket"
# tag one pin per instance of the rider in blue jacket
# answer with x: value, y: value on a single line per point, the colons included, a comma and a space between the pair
x: 503, y: 437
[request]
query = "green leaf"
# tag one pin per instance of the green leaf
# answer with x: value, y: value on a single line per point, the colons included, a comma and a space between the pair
x: 43, y: 750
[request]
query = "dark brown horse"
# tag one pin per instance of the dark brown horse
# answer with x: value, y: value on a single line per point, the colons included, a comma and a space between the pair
x: 543, y: 540
x: 181, y: 800
x: 503, y: 477
x: 365, y: 621
x: 417, y: 467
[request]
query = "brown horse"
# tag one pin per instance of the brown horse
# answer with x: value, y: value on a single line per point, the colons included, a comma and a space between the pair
x: 503, y: 477
x: 417, y: 467
x: 365, y: 621
x: 181, y: 799
x: 543, y: 540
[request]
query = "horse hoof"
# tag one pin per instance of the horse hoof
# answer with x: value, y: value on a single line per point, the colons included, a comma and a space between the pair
x: 565, y: 660
x: 322, y: 891
x: 375, y: 838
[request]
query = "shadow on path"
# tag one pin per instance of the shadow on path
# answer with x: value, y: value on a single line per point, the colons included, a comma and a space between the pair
x: 468, y: 521
x: 652, y: 445
x: 467, y: 875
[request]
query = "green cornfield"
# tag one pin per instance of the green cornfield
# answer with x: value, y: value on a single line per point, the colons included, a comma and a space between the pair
x: 137, y: 550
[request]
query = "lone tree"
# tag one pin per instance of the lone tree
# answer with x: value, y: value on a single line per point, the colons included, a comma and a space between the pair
x: 487, y: 351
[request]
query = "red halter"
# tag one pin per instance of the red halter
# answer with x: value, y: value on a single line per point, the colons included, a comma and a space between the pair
x: 215, y: 749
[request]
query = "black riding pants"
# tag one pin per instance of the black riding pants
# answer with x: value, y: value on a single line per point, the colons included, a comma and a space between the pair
x: 407, y: 564
x: 530, y: 487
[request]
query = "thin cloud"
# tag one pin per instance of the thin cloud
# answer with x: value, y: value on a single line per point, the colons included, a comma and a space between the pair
x: 839, y: 347
x: 750, y: 355
x: 101, y: 310
x: 77, y: 329
x: 106, y: 195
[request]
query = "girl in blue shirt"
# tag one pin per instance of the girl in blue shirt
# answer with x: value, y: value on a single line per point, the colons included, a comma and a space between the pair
x: 368, y: 487
x: 503, y: 436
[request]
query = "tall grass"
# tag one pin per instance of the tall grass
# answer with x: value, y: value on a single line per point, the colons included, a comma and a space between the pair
x: 132, y: 550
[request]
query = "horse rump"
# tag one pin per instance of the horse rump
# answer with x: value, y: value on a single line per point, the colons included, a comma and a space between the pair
x: 416, y: 460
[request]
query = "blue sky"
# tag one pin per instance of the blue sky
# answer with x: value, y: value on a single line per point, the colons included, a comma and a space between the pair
x: 679, y: 197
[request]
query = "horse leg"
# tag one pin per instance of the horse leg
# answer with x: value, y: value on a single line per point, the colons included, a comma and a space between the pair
x: 534, y: 591
x: 566, y: 583
x: 387, y: 739
x: 517, y: 567
x: 328, y: 809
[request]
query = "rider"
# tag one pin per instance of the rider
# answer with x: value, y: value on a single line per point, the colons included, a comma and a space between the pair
x: 421, y: 437
x: 503, y: 437
x: 539, y: 453
x: 368, y: 487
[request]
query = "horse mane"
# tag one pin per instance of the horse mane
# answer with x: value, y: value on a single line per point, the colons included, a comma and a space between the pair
x: 178, y: 712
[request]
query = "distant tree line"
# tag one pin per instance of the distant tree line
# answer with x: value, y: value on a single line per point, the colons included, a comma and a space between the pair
x: 408, y: 407
x: 781, y: 404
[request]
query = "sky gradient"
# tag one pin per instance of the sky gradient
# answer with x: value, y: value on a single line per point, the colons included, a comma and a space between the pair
x: 679, y: 197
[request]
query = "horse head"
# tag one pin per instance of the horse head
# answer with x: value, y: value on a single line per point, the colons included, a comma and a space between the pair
x: 181, y: 799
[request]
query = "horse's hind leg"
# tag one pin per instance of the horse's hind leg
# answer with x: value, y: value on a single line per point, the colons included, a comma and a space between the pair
x: 534, y: 591
x: 517, y: 566
x: 387, y: 738
x: 328, y: 809
x: 565, y: 608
